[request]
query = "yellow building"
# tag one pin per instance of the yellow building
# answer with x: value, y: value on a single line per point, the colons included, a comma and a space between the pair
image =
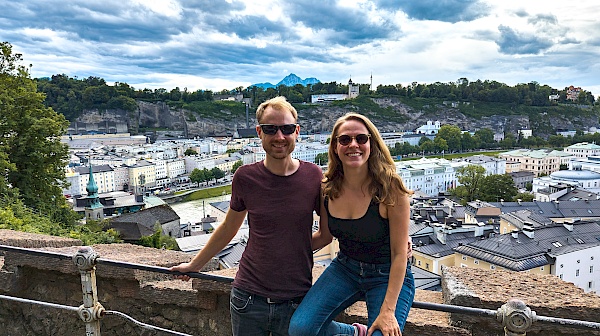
x: 540, y: 161
x: 142, y: 175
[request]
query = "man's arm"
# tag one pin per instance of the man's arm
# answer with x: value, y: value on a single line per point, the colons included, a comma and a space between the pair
x: 322, y: 237
x: 219, y: 239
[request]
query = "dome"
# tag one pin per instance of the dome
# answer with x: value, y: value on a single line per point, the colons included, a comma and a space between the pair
x: 575, y: 175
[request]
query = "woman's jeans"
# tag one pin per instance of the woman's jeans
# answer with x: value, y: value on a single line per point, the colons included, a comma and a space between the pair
x: 343, y: 283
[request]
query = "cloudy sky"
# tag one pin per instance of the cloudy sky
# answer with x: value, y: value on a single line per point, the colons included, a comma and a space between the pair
x: 223, y: 44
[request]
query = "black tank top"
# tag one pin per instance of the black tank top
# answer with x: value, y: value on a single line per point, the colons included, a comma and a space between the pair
x: 365, y: 239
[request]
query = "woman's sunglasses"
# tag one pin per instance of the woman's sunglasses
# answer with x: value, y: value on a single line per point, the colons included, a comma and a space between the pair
x: 361, y: 139
x: 270, y: 129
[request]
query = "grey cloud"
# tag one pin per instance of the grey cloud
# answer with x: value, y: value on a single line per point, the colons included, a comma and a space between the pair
x: 440, y: 10
x: 343, y: 26
x: 224, y: 59
x: 543, y: 19
x: 513, y: 43
x: 247, y: 27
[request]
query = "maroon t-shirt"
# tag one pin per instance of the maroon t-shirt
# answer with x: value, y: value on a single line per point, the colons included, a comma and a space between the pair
x: 278, y: 259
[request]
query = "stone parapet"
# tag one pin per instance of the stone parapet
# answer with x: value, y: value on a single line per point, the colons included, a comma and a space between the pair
x: 547, y: 295
x: 201, y: 307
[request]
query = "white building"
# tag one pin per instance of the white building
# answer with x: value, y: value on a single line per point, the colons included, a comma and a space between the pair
x: 586, y: 179
x: 580, y: 266
x: 590, y: 163
x: 492, y: 165
x: 525, y: 133
x: 304, y: 151
x: 78, y: 178
x: 429, y: 176
x: 198, y: 162
x: 430, y: 128
x: 323, y: 98
x: 583, y: 150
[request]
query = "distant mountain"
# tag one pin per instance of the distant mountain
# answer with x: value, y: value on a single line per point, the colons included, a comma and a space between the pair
x: 289, y: 80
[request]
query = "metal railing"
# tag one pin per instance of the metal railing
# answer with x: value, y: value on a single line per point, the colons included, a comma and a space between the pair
x: 515, y: 316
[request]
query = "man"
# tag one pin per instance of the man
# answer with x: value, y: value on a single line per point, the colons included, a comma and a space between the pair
x: 279, y: 195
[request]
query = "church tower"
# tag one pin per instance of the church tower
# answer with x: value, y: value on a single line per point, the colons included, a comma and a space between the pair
x: 352, y: 89
x: 94, y: 209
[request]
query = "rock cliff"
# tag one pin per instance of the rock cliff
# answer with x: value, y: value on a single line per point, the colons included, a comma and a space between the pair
x: 320, y: 118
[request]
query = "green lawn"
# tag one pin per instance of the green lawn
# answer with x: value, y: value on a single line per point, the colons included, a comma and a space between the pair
x: 209, y: 192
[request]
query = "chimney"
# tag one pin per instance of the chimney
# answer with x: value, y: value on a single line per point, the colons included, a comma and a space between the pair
x: 515, y: 234
x: 528, y: 229
x: 519, y: 201
x: 556, y: 204
x: 440, y: 234
x: 568, y: 226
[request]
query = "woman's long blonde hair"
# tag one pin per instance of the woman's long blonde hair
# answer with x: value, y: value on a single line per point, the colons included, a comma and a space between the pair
x: 385, y: 182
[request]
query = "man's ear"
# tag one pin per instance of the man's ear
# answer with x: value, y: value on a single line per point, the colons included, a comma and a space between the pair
x: 258, y: 130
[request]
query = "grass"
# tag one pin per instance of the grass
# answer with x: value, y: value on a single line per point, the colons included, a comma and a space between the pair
x: 208, y: 193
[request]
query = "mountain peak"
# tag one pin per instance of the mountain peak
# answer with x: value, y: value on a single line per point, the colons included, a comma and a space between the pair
x: 289, y: 80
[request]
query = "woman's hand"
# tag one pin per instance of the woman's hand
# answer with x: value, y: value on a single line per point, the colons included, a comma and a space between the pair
x: 387, y: 324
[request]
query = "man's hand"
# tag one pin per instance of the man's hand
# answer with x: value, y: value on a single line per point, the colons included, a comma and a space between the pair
x: 184, y: 268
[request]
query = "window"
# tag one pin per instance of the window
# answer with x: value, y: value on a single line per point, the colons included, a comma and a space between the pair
x: 576, y: 273
x: 557, y: 244
x: 542, y: 268
x: 560, y: 276
x: 589, y: 285
x: 464, y: 257
x: 426, y: 266
x: 418, y: 262
x: 476, y: 261
x: 578, y: 261
x: 591, y: 269
x: 492, y: 267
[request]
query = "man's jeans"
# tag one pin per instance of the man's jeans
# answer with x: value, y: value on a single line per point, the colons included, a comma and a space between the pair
x: 252, y: 315
x: 344, y: 282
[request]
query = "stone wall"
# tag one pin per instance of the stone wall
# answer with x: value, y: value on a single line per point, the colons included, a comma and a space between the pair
x: 546, y: 295
x: 201, y: 307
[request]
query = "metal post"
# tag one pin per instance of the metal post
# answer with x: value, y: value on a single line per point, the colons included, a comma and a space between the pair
x: 516, y: 317
x: 91, y: 310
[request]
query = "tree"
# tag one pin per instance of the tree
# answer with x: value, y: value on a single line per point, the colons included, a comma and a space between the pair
x: 236, y: 165
x: 486, y: 136
x: 471, y: 178
x: 440, y: 145
x: 32, y: 158
x: 189, y: 152
x: 321, y: 159
x: 197, y: 176
x: 217, y: 173
x: 208, y: 174
x: 159, y: 240
x: 496, y: 187
x: 452, y: 135
x: 525, y: 197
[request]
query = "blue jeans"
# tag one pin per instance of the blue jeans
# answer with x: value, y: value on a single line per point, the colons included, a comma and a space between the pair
x: 343, y: 283
x: 252, y: 315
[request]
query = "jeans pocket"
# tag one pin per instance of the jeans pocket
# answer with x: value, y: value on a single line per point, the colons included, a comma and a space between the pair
x: 240, y: 300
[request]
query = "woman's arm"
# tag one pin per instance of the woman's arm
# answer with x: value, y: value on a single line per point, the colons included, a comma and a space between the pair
x: 399, y: 217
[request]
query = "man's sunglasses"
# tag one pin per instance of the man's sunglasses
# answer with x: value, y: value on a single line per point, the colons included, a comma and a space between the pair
x: 361, y: 139
x: 270, y: 129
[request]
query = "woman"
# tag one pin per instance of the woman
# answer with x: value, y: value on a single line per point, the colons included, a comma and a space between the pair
x: 366, y: 207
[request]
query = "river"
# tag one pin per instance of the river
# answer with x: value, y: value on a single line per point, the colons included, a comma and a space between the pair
x: 193, y: 211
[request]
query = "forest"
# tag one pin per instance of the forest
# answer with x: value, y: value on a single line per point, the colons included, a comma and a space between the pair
x: 71, y: 96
